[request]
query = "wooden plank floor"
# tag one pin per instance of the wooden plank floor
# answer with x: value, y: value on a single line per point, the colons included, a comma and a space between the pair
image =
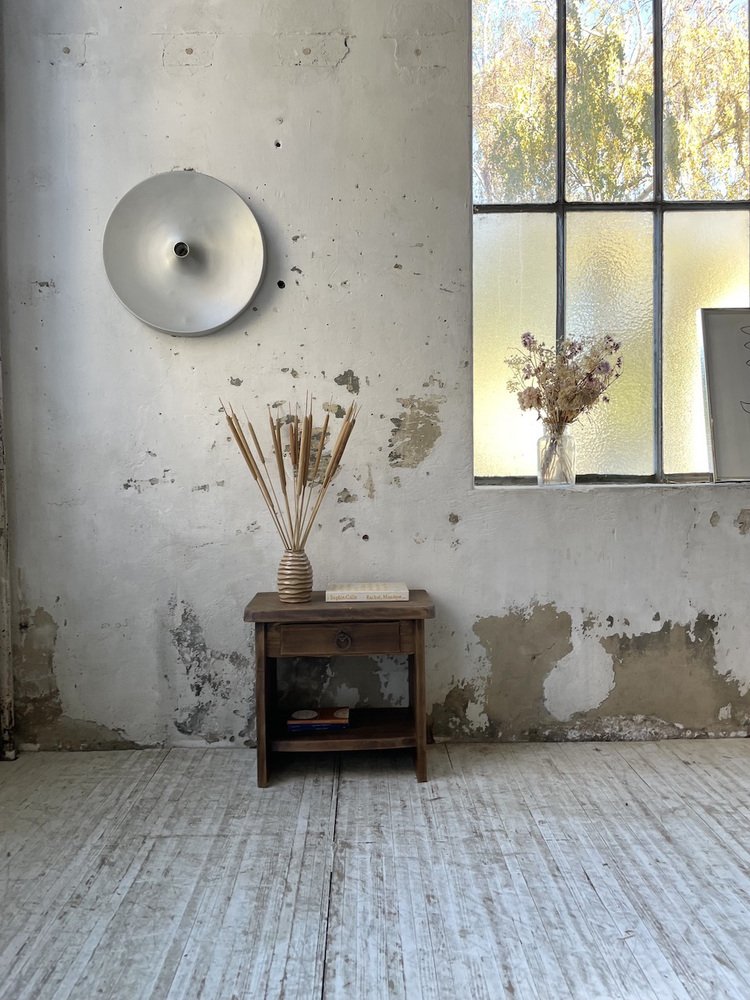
x: 526, y: 871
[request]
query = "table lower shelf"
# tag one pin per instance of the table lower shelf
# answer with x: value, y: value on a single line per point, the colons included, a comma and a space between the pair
x: 369, y: 729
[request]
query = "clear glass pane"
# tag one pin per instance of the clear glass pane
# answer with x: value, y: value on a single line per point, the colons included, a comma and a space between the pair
x: 514, y: 291
x: 706, y: 81
x: 609, y: 101
x: 706, y: 264
x: 610, y: 290
x: 514, y: 101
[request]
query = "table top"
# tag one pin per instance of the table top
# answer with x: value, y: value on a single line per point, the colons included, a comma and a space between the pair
x: 266, y: 607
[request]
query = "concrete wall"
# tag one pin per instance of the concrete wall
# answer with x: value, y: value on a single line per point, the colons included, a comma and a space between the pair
x: 137, y: 534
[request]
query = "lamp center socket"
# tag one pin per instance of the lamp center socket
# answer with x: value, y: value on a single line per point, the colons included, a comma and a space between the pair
x: 181, y: 249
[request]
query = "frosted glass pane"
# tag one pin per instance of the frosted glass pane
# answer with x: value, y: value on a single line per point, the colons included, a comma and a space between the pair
x: 514, y: 101
x: 706, y: 80
x: 609, y: 101
x: 514, y: 291
x: 610, y: 290
x: 706, y: 264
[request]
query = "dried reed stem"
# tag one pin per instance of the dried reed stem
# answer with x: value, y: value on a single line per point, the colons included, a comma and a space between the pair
x: 242, y: 443
x: 268, y: 478
x: 333, y: 464
x: 293, y: 517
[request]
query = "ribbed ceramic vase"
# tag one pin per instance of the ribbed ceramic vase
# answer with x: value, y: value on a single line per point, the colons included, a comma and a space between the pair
x: 295, y: 577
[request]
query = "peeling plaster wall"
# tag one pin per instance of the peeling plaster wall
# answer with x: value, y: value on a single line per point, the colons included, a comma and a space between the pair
x: 137, y: 537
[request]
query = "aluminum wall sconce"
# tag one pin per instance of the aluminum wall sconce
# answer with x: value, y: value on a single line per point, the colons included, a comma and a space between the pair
x: 184, y: 253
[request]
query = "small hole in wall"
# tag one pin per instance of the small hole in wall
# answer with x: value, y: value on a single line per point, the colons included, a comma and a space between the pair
x: 277, y: 144
x: 281, y: 284
x: 365, y: 538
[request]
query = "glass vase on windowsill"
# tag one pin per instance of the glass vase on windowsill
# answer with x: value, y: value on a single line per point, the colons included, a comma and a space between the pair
x: 556, y: 457
x: 561, y: 383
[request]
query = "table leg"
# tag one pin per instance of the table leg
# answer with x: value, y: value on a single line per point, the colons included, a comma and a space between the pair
x: 418, y: 697
x: 261, y: 703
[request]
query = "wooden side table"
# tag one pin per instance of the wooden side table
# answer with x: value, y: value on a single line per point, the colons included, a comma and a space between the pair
x: 319, y: 628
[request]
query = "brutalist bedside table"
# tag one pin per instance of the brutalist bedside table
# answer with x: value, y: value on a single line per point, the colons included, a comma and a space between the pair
x: 320, y: 628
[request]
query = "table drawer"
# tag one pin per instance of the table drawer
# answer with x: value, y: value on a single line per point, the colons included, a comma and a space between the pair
x: 334, y: 639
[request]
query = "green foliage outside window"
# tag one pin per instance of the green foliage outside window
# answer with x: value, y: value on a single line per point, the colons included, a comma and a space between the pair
x: 610, y: 101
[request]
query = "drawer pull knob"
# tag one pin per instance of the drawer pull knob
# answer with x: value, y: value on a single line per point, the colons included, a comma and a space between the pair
x: 343, y: 640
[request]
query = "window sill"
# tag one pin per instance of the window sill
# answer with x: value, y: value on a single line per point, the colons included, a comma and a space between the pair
x: 589, y: 484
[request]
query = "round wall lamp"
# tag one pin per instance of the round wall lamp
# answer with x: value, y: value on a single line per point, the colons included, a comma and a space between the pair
x: 184, y: 253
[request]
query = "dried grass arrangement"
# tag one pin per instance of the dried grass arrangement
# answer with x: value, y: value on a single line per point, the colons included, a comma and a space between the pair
x: 293, y: 482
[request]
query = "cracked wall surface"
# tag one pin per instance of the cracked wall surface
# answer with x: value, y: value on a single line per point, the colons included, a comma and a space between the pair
x: 137, y: 535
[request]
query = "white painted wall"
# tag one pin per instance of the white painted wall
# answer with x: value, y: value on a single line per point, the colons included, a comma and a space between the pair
x: 137, y: 535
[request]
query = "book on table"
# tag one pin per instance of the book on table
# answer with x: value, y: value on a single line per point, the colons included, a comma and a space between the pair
x: 376, y: 591
x: 307, y: 720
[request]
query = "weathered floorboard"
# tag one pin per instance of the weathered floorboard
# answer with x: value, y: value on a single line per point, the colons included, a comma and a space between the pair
x: 610, y: 871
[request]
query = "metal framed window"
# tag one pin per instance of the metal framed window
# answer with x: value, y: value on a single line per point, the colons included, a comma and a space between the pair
x: 678, y: 219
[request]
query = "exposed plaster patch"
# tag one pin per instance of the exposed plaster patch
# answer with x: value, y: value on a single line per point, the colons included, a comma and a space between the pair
x: 349, y: 380
x: 235, y: 381
x: 421, y: 36
x: 671, y: 675
x: 189, y: 51
x: 454, y: 518
x: 656, y: 685
x: 714, y: 519
x: 347, y: 522
x: 422, y: 54
x: 415, y: 431
x: 322, y: 50
x: 40, y: 719
x: 743, y: 521
x: 68, y: 51
x: 452, y: 715
x: 208, y: 676
x: 522, y: 648
x: 345, y: 496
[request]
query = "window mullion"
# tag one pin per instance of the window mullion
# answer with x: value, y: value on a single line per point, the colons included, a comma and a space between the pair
x: 561, y: 70
x: 658, y: 240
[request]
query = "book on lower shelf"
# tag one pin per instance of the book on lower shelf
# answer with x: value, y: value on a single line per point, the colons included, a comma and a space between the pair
x: 355, y: 592
x: 307, y: 720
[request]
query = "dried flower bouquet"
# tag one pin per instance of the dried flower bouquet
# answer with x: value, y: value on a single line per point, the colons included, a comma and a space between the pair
x: 561, y: 384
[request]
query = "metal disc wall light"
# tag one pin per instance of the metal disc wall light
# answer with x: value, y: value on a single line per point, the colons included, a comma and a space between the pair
x: 184, y: 253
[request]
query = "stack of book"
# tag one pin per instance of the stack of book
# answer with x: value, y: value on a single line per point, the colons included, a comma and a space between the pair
x: 308, y: 720
x: 345, y: 593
